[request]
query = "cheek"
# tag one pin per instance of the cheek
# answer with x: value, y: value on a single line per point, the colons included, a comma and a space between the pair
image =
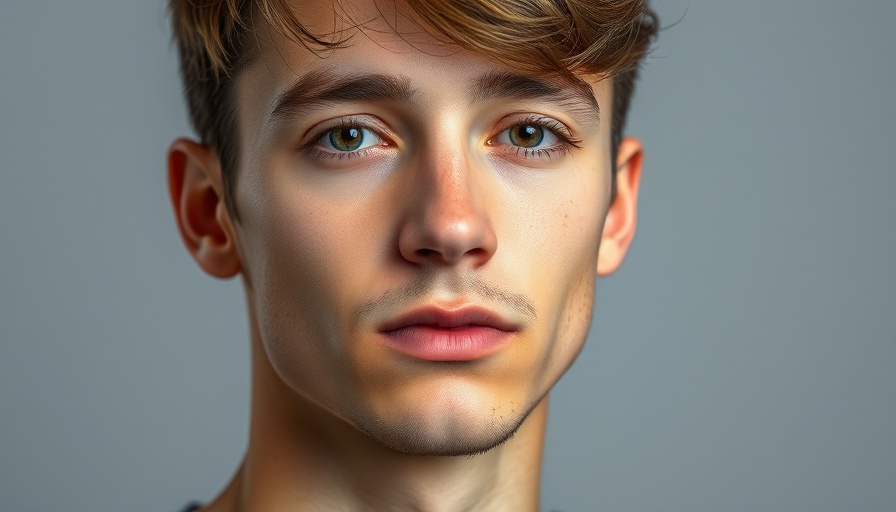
x: 562, y: 236
x: 306, y: 236
x: 554, y: 234
x: 302, y: 267
x: 292, y: 240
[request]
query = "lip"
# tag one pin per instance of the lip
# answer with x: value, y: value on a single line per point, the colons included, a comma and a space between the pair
x: 436, y: 334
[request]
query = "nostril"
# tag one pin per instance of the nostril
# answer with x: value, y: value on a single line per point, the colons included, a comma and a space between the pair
x: 436, y: 237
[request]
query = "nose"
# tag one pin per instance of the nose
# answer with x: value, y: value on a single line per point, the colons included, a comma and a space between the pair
x: 447, y: 218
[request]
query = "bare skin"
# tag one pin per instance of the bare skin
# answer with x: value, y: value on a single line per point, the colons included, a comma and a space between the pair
x: 440, y: 193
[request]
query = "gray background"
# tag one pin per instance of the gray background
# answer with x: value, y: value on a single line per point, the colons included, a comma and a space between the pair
x: 742, y: 359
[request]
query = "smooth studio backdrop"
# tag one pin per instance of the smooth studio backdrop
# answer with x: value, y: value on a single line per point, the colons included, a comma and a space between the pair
x: 743, y: 359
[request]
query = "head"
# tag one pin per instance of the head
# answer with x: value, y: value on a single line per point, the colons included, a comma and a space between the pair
x: 375, y: 169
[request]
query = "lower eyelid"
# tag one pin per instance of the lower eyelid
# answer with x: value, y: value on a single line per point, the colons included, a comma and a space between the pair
x: 324, y: 155
x: 535, y: 153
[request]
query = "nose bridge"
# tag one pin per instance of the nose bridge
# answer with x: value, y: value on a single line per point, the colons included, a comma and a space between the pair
x: 450, y: 188
x: 449, y: 218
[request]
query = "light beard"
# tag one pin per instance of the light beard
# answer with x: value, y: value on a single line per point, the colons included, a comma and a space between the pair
x: 453, y: 437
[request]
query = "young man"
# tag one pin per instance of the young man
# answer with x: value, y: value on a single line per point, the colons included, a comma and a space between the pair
x: 418, y: 196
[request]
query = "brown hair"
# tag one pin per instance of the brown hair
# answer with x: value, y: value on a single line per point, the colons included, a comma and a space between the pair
x: 599, y: 37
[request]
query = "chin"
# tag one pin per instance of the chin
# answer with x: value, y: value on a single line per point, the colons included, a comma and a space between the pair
x: 458, y: 429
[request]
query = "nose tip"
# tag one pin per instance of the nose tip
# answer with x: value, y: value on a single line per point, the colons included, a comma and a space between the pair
x: 450, y: 245
x: 448, y: 223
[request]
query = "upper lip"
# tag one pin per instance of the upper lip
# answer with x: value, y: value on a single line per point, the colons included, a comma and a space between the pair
x: 450, y: 318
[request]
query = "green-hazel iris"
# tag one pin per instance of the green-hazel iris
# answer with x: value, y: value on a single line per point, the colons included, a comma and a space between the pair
x: 526, y: 135
x: 346, y: 139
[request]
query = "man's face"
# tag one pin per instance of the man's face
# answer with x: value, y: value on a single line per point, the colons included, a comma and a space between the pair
x: 419, y: 228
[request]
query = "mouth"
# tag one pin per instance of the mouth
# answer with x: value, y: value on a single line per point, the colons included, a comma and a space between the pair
x: 435, y: 334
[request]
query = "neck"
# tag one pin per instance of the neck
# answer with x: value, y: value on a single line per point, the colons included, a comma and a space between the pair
x: 302, y: 457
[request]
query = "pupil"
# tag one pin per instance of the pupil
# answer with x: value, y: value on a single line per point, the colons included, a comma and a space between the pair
x: 346, y: 139
x: 527, y: 135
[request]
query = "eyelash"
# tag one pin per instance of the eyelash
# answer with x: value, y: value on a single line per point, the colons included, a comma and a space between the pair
x: 341, y: 124
x: 566, y: 142
x: 565, y: 139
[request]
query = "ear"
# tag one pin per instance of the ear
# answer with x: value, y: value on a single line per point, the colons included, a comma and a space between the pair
x: 196, y: 190
x: 619, y: 226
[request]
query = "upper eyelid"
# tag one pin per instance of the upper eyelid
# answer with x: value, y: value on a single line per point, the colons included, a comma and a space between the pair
x: 314, y: 134
x: 519, y: 118
x: 558, y: 128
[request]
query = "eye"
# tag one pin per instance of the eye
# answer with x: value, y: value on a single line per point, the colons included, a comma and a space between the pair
x: 534, y: 138
x: 528, y: 136
x: 348, y: 142
x: 349, y: 138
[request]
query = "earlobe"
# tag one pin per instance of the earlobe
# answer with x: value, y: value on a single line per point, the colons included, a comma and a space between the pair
x: 619, y: 226
x: 196, y: 191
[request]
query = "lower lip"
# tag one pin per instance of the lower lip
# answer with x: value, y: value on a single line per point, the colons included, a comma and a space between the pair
x: 440, y: 344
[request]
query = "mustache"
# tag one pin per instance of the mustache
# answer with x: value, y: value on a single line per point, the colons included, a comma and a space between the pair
x: 461, y: 285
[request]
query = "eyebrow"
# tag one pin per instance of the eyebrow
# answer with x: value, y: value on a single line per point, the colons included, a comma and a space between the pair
x: 320, y: 88
x: 324, y: 87
x: 573, y: 95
